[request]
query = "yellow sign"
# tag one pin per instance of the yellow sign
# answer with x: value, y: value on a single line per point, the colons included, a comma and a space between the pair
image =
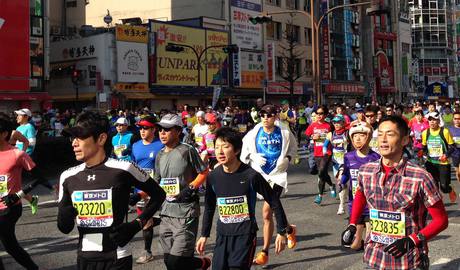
x: 181, y: 68
x: 135, y: 87
x: 132, y: 33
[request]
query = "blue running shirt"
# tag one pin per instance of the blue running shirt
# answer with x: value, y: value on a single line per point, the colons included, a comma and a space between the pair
x: 269, y: 146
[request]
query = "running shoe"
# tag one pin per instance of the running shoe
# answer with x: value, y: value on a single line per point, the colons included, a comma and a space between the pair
x: 340, y: 211
x: 291, y: 239
x: 453, y: 196
x: 261, y: 258
x: 34, y: 204
x: 318, y: 199
x: 333, y: 193
x: 147, y: 257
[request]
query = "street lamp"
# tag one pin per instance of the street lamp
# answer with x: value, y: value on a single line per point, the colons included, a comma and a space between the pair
x: 174, y: 47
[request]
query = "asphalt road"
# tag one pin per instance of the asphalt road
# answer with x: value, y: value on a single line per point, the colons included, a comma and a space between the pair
x: 318, y: 237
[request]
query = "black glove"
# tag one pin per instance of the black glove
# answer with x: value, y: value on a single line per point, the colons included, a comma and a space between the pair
x: 400, y: 247
x: 185, y: 194
x: 124, y: 232
x: 10, y: 199
x: 66, y: 218
x: 134, y: 198
x: 348, y: 235
x: 125, y: 152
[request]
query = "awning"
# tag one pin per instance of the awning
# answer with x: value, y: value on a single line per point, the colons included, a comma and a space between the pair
x: 25, y: 96
x: 138, y: 95
x: 71, y: 97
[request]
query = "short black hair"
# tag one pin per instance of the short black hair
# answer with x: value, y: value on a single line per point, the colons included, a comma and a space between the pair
x: 94, y: 122
x: 401, y: 124
x: 372, y: 108
x: 323, y: 107
x: 456, y: 112
x: 231, y: 136
x: 6, y: 125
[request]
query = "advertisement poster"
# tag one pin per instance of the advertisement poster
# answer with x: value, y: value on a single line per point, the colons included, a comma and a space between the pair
x: 252, y: 69
x: 244, y: 33
x: 271, y: 61
x: 132, y: 62
x: 216, y: 60
x: 326, y: 73
x: 14, y: 45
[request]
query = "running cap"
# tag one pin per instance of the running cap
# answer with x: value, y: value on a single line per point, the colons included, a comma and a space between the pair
x: 170, y: 120
x: 148, y: 121
x: 359, y: 128
x: 268, y: 109
x: 434, y: 115
x: 200, y: 114
x: 284, y: 102
x: 23, y: 111
x: 121, y: 121
x: 211, y: 118
x: 338, y: 118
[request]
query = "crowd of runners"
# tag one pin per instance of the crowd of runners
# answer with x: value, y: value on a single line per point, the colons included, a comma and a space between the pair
x: 388, y: 165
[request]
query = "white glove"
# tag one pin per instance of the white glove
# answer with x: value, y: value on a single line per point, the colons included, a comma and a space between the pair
x: 283, y: 166
x: 258, y: 159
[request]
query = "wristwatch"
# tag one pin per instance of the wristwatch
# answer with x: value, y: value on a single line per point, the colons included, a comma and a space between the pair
x: 421, y: 237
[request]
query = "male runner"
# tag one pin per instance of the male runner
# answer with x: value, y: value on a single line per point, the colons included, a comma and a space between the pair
x: 199, y: 129
x: 438, y: 146
x: 268, y: 148
x: 28, y: 131
x: 180, y: 171
x: 287, y: 116
x: 95, y: 196
x: 12, y: 162
x: 144, y: 153
x: 232, y: 187
x: 123, y: 141
x: 399, y: 195
x: 371, y: 118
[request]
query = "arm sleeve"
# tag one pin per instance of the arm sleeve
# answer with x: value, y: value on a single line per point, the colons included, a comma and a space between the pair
x: 357, y: 208
x: 346, y: 172
x: 262, y: 187
x: 209, y: 209
x: 37, y: 179
x: 438, y: 223
x: 157, y: 196
x: 64, y: 223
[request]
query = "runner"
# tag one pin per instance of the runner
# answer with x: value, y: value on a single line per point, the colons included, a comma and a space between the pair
x: 339, y: 141
x: 286, y: 116
x: 268, y: 148
x: 455, y: 132
x: 143, y: 154
x: 318, y: 131
x: 28, y: 131
x: 438, y: 146
x: 371, y: 118
x: 123, y: 141
x: 207, y: 150
x: 236, y: 229
x: 12, y: 162
x: 199, y: 129
x: 399, y: 195
x: 417, y: 125
x: 95, y: 196
x: 180, y: 171
x: 360, y: 135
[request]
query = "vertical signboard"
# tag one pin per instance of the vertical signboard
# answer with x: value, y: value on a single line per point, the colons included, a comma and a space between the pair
x: 326, y: 73
x: 271, y: 61
x: 245, y: 34
x: 252, y: 69
x: 236, y: 69
x: 216, y: 60
x: 14, y: 45
x: 132, y: 60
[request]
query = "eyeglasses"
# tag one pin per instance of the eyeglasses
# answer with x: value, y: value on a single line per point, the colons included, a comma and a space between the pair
x: 389, y: 110
x: 165, y: 129
x: 370, y: 115
x: 144, y: 127
x: 267, y: 115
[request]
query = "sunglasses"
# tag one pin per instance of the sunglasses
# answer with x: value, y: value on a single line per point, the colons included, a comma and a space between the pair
x: 267, y: 115
x: 165, y: 129
x: 144, y: 127
x: 319, y: 113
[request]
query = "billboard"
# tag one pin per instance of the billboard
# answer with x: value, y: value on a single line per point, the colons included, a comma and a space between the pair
x: 252, y: 69
x: 132, y: 62
x: 181, y: 68
x: 245, y: 34
x: 132, y: 33
x: 14, y: 45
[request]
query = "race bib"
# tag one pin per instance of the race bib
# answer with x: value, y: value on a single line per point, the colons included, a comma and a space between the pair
x: 94, y: 208
x: 387, y: 226
x: 418, y: 135
x: 434, y: 150
x: 242, y: 128
x: 354, y: 187
x: 170, y: 186
x: 457, y: 141
x: 210, y: 144
x: 233, y: 209
x: 118, y: 149
x: 373, y: 144
x: 338, y: 156
x: 3, y: 189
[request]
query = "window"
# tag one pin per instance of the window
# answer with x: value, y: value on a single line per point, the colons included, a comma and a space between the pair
x: 279, y: 65
x: 308, y: 68
x: 36, y: 7
x: 292, y: 4
x: 298, y: 68
x: 306, y: 7
x: 292, y: 32
x: 307, y: 32
x: 71, y: 3
x: 274, y: 30
x: 273, y: 2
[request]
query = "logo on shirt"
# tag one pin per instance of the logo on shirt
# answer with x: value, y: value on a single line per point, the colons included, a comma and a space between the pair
x: 91, y: 178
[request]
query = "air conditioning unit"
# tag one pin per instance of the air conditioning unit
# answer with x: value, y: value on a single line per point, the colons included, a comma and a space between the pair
x: 55, y: 30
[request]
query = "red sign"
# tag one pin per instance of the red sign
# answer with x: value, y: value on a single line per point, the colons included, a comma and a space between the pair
x: 283, y: 88
x: 14, y: 45
x: 428, y: 71
x: 385, y: 71
x: 436, y: 70
x: 443, y: 70
x: 344, y: 88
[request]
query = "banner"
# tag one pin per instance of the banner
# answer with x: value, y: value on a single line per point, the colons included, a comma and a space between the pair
x: 14, y: 45
x: 252, y: 69
x: 132, y: 33
x: 181, y: 68
x: 132, y: 62
x: 283, y: 88
x: 244, y: 33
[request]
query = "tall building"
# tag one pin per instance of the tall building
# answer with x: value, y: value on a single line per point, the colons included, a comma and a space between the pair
x: 433, y: 44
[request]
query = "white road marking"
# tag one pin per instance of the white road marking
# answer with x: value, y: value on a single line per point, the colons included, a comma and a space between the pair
x: 59, y: 240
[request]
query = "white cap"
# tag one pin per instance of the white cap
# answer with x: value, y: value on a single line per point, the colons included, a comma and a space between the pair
x: 357, y: 105
x: 359, y: 128
x: 24, y: 111
x: 434, y: 115
x: 121, y: 121
x: 170, y: 120
x: 200, y: 114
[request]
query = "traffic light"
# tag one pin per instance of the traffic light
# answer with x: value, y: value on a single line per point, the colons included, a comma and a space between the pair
x: 76, y: 76
x: 260, y: 19
x: 232, y: 48
x: 174, y: 48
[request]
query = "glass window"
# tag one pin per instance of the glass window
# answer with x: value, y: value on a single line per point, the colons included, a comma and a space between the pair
x: 37, y: 26
x: 35, y: 7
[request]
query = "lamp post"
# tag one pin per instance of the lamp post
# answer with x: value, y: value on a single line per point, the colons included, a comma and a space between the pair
x: 174, y: 47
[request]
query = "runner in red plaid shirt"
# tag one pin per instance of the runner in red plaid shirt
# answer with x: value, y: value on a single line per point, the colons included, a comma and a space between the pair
x: 399, y: 194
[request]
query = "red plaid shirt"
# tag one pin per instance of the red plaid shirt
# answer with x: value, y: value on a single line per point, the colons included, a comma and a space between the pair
x: 409, y: 189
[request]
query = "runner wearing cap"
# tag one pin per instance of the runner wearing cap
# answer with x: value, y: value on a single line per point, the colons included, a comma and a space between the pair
x: 123, y: 141
x: 438, y: 145
x: 28, y: 131
x: 287, y: 116
x: 144, y: 153
x: 399, y: 195
x: 180, y: 171
x: 199, y: 129
x: 371, y: 118
x: 12, y: 162
x: 95, y: 196
x: 339, y: 141
x: 268, y: 148
x: 207, y: 149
